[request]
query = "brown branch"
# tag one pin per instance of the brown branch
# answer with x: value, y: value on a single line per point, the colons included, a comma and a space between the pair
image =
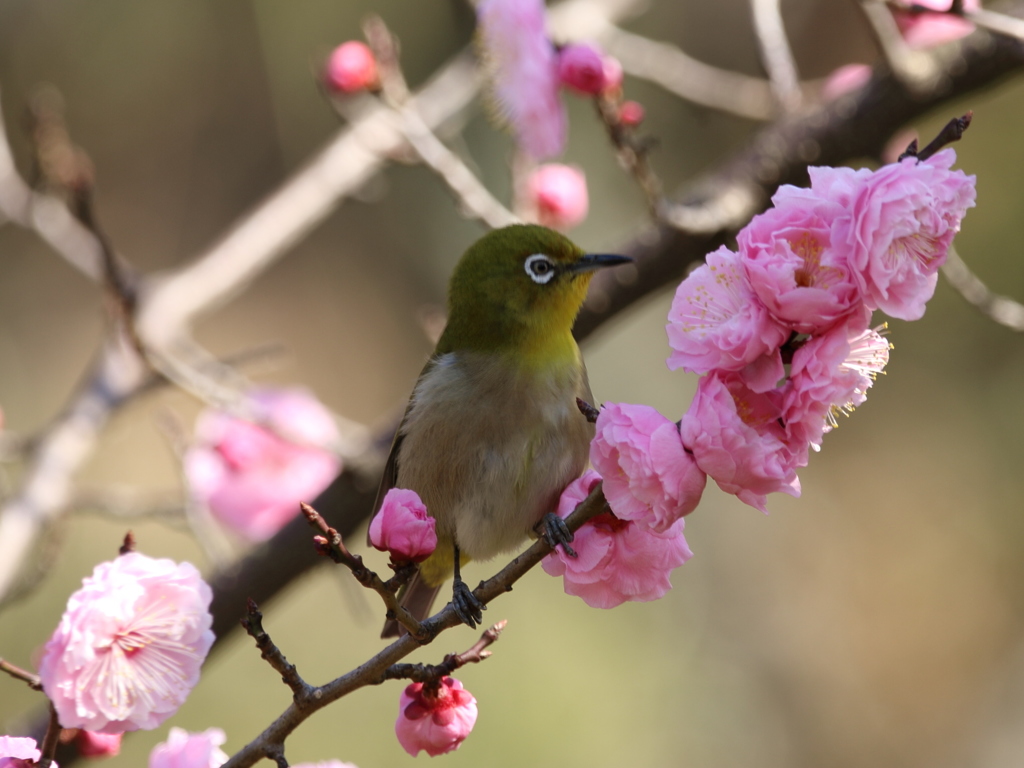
x: 428, y: 673
x: 18, y: 673
x: 48, y: 747
x: 253, y: 623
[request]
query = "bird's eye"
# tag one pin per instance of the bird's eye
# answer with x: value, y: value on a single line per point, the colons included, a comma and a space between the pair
x: 540, y: 268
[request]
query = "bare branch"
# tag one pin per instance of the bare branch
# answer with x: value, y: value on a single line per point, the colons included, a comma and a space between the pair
x: 427, y: 673
x: 1002, y: 309
x: 776, y: 54
x: 916, y: 69
x: 18, y: 673
x: 253, y: 623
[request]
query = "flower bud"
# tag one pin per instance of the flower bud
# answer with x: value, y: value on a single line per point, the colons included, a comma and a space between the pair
x: 631, y: 113
x: 612, y: 74
x: 403, y: 528
x: 435, y: 718
x: 351, y: 67
x: 581, y: 69
x: 558, y: 193
x: 92, y: 744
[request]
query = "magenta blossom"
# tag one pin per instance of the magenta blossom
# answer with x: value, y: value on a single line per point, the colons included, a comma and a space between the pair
x: 435, y: 718
x: 403, y: 527
x: 98, y: 744
x: 617, y: 560
x: 926, y: 30
x: 17, y: 752
x: 189, y: 750
x: 581, y: 68
x: 649, y: 477
x: 253, y: 477
x: 558, y: 194
x: 737, y: 437
x: 351, y: 67
x: 806, y: 283
x: 717, y: 322
x: 523, y: 70
x: 129, y: 646
x: 901, y: 220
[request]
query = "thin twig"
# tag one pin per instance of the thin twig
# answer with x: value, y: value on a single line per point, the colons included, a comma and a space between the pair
x: 1001, y: 309
x: 18, y: 673
x: 253, y: 623
x: 915, y: 69
x: 776, y: 54
x: 428, y: 673
x: 50, y: 741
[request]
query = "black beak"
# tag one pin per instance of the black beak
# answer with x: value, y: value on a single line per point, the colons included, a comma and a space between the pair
x: 593, y: 261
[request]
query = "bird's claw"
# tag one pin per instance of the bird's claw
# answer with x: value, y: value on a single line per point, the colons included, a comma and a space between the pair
x: 555, y: 532
x: 467, y: 607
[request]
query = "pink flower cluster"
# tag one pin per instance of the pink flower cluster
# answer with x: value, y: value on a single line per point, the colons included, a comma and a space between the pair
x: 800, y: 290
x: 435, y: 718
x: 129, y: 647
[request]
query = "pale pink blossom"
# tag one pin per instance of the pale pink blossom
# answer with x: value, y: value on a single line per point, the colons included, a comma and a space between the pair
x: 252, y: 477
x: 717, y: 322
x: 649, y: 477
x: 128, y: 649
x: 98, y: 744
x: 846, y: 79
x: 523, y: 69
x: 403, y: 528
x: 926, y: 30
x: 901, y: 220
x: 189, y: 750
x: 631, y: 113
x: 737, y: 437
x: 616, y: 560
x: 351, y: 67
x: 806, y: 283
x: 19, y: 752
x: 558, y: 193
x: 435, y: 718
x: 581, y: 69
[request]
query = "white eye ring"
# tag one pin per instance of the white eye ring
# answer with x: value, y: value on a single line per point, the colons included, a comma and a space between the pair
x: 540, y: 268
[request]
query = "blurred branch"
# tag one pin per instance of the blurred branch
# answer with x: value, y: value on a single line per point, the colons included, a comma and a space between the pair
x: 1002, y: 309
x: 916, y: 69
x: 776, y: 54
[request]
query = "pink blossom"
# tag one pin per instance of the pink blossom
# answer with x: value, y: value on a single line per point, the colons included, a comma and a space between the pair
x: 403, y: 527
x: 612, y: 74
x: 617, y: 560
x: 649, y: 477
x: 581, y: 69
x: 98, y: 744
x: 901, y: 221
x: 926, y: 30
x: 351, y: 67
x: 16, y: 752
x: 523, y: 69
x: 435, y: 718
x: 831, y: 374
x: 189, y: 750
x: 130, y: 644
x: 718, y: 322
x: 631, y: 113
x: 805, y: 282
x: 844, y: 80
x: 737, y: 437
x: 253, y: 477
x: 559, y: 195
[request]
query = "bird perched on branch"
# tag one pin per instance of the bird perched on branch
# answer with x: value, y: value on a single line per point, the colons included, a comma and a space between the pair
x: 492, y: 432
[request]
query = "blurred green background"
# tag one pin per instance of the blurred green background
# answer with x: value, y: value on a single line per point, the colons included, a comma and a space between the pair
x: 878, y: 620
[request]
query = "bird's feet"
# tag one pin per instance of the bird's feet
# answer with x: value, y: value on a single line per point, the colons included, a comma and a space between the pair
x: 555, y: 532
x: 467, y: 607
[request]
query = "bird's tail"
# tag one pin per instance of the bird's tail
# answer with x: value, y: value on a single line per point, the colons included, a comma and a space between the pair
x: 417, y: 597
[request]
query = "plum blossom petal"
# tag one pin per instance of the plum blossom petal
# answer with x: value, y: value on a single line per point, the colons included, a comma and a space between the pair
x: 98, y: 744
x: 899, y: 224
x: 617, y: 560
x: 717, y: 321
x: 649, y: 477
x: 252, y: 477
x: 435, y: 718
x: 129, y: 647
x: 403, y: 527
x: 737, y: 437
x: 523, y: 69
x: 581, y: 68
x: 189, y: 750
x: 19, y: 752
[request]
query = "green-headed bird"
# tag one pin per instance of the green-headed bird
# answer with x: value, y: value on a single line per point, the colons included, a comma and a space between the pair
x: 492, y: 432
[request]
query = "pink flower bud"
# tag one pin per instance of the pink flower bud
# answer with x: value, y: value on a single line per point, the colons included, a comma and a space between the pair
x: 435, y: 718
x: 189, y: 750
x: 581, y: 68
x: 631, y: 113
x: 612, y: 73
x: 252, y: 477
x: 18, y: 752
x: 351, y: 67
x: 559, y: 195
x: 129, y: 647
x: 98, y: 744
x: 403, y: 527
x: 617, y: 560
x: 649, y: 477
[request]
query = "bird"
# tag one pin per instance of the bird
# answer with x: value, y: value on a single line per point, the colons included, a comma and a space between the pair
x: 492, y: 432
